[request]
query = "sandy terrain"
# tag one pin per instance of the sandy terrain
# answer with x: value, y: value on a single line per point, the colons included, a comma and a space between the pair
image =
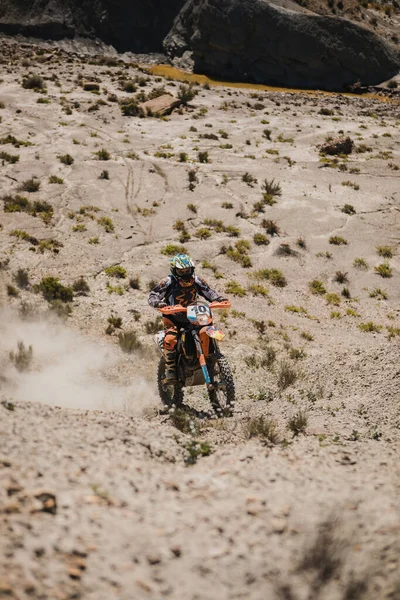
x: 98, y: 499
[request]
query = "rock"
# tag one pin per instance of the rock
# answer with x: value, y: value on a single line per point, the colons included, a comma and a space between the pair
x: 12, y: 486
x: 342, y: 145
x: 5, y: 587
x: 254, y: 40
x: 90, y: 86
x: 278, y: 524
x: 163, y: 105
x: 137, y: 25
x: 74, y: 573
x: 46, y: 502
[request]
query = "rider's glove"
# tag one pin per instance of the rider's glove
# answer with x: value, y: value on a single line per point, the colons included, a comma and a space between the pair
x: 221, y: 299
x: 161, y: 304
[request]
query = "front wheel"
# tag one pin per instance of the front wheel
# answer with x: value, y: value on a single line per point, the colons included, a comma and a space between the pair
x: 171, y: 395
x: 223, y: 397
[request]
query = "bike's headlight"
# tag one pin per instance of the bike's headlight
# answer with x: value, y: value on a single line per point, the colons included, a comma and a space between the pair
x: 202, y: 319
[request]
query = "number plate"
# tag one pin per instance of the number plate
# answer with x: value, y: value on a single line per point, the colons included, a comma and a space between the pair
x: 195, y: 310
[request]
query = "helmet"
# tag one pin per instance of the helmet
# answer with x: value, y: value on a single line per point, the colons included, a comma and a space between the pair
x: 182, y: 268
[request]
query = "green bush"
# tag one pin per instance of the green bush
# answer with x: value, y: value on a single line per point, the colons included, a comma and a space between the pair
x: 33, y: 82
x: 52, y: 289
x: 66, y: 159
x: 116, y: 271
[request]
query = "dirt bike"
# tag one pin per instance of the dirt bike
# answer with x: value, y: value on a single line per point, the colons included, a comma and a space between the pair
x: 199, y: 360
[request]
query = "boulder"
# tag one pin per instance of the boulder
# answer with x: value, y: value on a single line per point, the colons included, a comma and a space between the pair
x: 160, y: 106
x: 136, y: 25
x: 255, y: 40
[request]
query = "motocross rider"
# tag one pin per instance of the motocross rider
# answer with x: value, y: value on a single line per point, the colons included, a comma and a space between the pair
x: 182, y: 287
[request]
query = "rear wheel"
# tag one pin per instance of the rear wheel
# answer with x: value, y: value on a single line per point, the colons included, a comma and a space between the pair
x: 223, y: 397
x: 171, y: 395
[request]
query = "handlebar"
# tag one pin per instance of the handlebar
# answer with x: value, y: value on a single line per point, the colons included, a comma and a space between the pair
x: 178, y: 308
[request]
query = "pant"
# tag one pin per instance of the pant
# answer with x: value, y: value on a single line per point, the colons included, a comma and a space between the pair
x: 171, y: 335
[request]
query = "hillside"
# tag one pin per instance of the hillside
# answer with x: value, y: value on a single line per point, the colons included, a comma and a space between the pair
x: 104, y: 495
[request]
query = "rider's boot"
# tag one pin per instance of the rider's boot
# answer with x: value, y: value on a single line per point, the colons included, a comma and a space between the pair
x: 170, y: 367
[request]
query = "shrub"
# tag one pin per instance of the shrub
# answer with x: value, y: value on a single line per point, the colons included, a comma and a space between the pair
x: 66, y: 159
x: 30, y: 185
x: 16, y: 204
x: 21, y: 278
x: 195, y: 450
x: 317, y: 287
x: 361, y: 264
x: 107, y: 223
x: 369, y: 327
x: 384, y: 270
x: 116, y: 271
x: 203, y: 157
x: 259, y: 290
x: 270, y: 188
x: 186, y: 94
x: 103, y: 154
x: 10, y: 158
x: 233, y: 287
x: 287, y: 375
x: 270, y: 227
x: 385, y: 251
x: 275, y: 276
x: 260, y: 239
x: 172, y: 249
x: 81, y: 287
x: 341, y: 277
x: 298, y: 423
x: 23, y: 358
x: 129, y: 341
x: 52, y: 289
x: 379, y: 293
x: 348, y: 209
x: 154, y: 326
x: 336, y: 240
x: 33, y: 82
x: 55, y: 179
x: 263, y: 428
x: 23, y: 235
x: 61, y: 309
x: 12, y: 291
x: 134, y: 283
x: 192, y: 208
x: 346, y: 293
x: 51, y: 245
x: 333, y: 299
x: 249, y: 179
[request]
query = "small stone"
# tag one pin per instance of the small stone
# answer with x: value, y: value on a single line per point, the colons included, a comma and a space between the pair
x: 176, y: 551
x: 144, y: 585
x: 278, y: 525
x: 11, y: 508
x: 12, y: 487
x: 154, y: 559
x: 74, y: 573
x: 5, y: 587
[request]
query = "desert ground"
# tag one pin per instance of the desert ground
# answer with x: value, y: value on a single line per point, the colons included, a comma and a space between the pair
x: 104, y: 495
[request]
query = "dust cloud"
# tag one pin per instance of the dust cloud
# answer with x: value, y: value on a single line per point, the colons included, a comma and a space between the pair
x: 66, y: 369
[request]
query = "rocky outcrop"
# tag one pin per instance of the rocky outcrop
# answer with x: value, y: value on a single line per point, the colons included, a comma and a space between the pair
x: 254, y: 40
x: 137, y: 25
x: 265, y: 41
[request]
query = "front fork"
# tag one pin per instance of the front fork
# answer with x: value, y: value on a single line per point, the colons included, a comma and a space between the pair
x: 202, y: 361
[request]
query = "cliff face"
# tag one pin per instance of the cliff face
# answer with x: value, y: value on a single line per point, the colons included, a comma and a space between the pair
x: 257, y: 41
x: 139, y: 26
x: 249, y: 40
